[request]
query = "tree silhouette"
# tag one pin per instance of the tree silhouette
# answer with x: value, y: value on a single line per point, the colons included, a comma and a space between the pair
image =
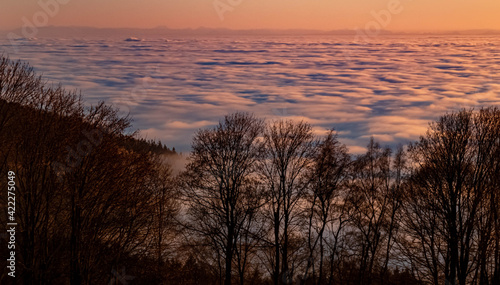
x: 327, y: 174
x: 289, y: 150
x: 453, y: 188
x: 219, y: 187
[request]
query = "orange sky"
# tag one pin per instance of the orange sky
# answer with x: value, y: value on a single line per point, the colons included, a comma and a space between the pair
x: 428, y: 15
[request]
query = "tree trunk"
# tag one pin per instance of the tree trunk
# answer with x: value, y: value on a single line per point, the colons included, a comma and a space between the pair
x: 229, y: 255
x: 75, y: 272
x: 277, y: 248
x: 320, y: 277
x: 284, y: 258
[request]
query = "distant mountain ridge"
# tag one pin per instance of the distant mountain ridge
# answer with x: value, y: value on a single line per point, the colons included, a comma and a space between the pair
x: 79, y: 31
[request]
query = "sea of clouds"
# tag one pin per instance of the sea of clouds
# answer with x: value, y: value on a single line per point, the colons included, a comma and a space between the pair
x: 389, y: 88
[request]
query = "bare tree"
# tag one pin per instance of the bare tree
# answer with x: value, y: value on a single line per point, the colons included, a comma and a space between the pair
x: 30, y: 139
x: 327, y: 174
x: 18, y: 85
x: 453, y: 185
x: 251, y: 233
x: 375, y: 198
x: 165, y: 207
x: 219, y: 188
x: 107, y: 204
x: 290, y: 150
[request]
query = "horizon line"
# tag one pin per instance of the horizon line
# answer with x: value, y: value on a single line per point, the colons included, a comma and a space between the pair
x: 267, y: 30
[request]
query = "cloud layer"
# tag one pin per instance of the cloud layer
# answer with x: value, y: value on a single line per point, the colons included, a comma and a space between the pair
x: 389, y: 88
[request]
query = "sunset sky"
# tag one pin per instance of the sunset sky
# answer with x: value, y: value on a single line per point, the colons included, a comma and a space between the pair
x: 423, y: 15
